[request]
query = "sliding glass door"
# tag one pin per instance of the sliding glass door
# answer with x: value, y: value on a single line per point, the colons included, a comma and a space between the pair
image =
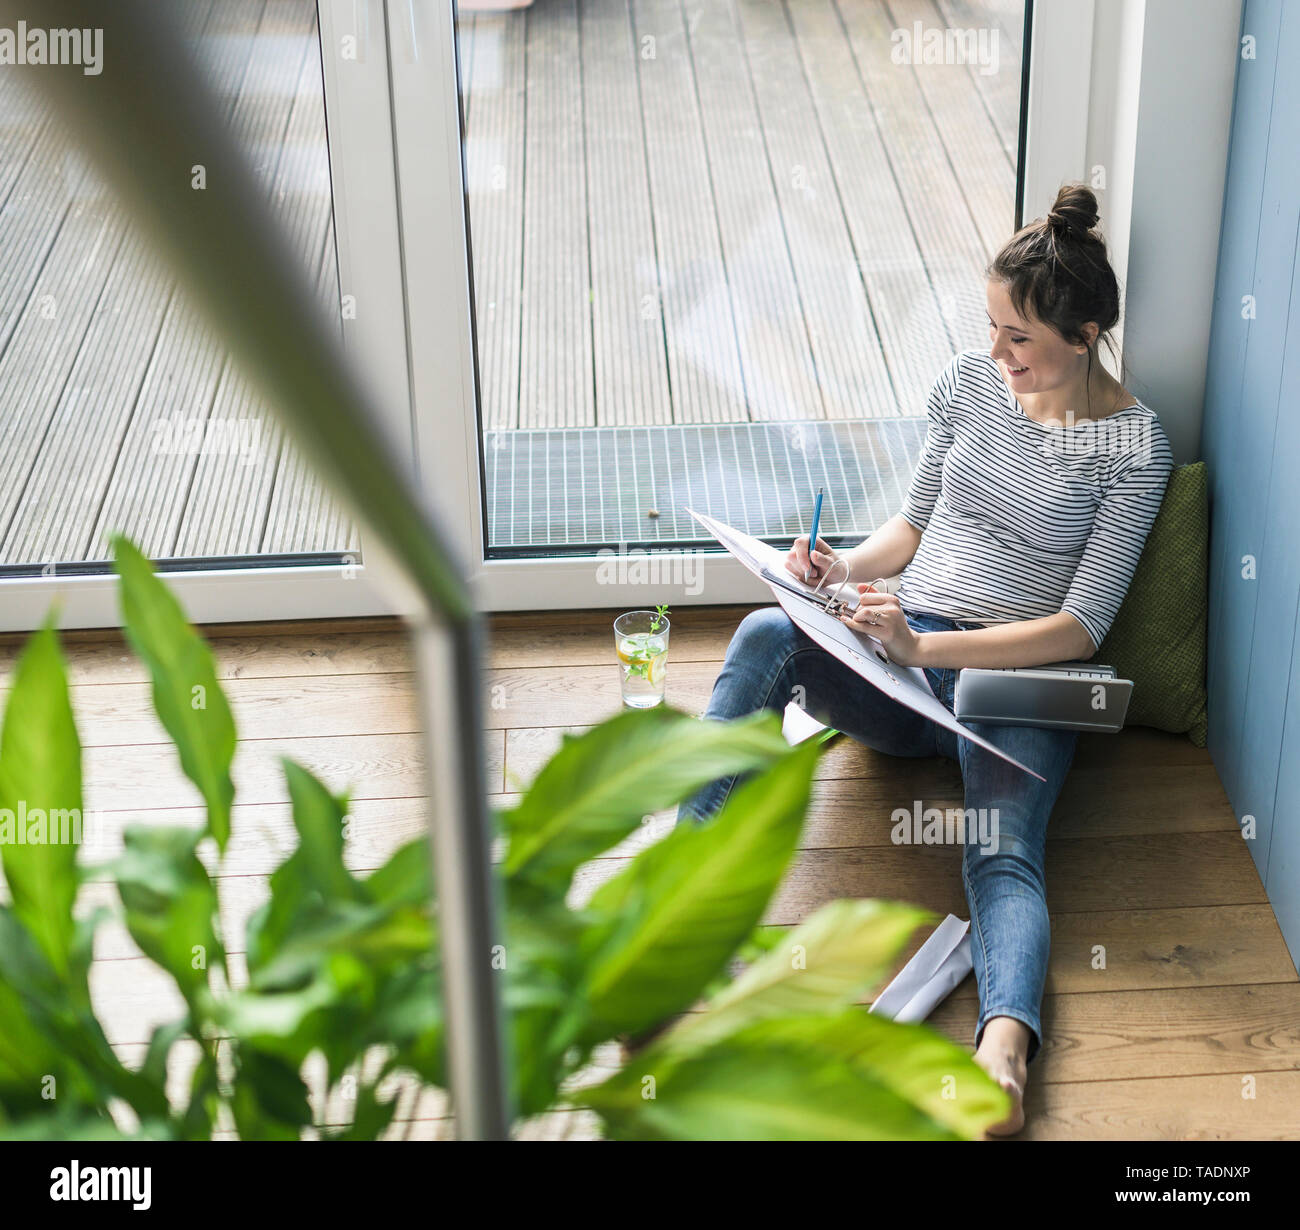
x: 712, y: 256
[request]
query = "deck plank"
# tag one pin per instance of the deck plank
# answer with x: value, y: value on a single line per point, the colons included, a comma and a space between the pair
x: 1000, y: 91
x: 76, y: 463
x: 44, y: 348
x: 278, y: 118
x: 145, y: 497
x: 494, y: 167
x: 556, y: 351
x: 699, y: 318
x: 304, y: 516
x: 965, y: 129
x: 842, y: 333
x: 948, y: 238
x: 903, y: 305
x: 780, y: 370
x: 631, y: 366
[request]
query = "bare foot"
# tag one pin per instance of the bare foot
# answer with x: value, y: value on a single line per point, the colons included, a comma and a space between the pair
x: 1008, y: 1068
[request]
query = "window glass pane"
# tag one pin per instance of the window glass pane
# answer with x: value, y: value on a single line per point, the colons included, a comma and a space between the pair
x: 118, y: 410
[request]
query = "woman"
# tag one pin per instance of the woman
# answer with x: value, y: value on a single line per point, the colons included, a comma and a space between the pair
x: 1039, y: 481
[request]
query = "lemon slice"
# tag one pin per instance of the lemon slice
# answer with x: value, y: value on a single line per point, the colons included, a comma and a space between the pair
x: 658, y: 664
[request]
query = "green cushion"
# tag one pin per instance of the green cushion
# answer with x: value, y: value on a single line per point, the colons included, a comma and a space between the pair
x: 1158, y: 639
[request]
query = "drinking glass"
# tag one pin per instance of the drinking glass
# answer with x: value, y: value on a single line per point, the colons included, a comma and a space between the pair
x: 641, y: 642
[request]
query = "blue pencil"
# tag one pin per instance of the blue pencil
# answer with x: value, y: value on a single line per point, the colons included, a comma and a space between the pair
x: 812, y: 540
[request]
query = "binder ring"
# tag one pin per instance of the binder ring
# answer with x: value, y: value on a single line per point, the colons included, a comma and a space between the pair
x: 834, y: 604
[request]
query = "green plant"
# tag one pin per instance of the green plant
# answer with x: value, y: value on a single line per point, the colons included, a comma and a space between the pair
x: 343, y: 971
x: 661, y: 613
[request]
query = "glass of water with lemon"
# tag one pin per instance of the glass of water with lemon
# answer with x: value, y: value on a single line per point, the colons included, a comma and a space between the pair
x: 641, y: 642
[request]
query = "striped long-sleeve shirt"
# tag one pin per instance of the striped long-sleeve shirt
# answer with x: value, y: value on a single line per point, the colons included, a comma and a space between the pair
x: 1020, y: 519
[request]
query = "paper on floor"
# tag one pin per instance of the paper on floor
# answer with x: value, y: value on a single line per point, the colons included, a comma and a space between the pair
x: 927, y: 979
x: 799, y: 724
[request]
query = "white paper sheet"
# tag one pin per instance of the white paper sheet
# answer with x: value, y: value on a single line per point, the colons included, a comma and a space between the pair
x: 857, y: 650
x: 928, y: 978
x: 799, y: 725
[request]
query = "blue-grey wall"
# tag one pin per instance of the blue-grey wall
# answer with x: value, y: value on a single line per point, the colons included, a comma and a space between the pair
x: 1251, y: 444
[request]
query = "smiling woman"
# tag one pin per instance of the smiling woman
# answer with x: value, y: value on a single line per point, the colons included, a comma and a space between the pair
x: 999, y: 528
x: 1052, y: 295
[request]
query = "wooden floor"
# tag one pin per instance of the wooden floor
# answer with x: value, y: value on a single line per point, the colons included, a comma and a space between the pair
x: 740, y: 211
x: 1144, y: 859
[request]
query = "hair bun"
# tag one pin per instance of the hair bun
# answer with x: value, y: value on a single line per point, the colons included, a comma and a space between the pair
x: 1075, y: 209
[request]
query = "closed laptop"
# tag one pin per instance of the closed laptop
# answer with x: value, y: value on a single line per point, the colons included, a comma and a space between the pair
x: 1064, y: 696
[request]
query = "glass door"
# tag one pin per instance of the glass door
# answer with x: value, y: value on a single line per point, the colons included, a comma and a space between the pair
x: 708, y: 255
x: 120, y: 411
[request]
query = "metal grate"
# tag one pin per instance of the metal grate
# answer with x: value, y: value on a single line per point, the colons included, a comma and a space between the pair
x: 590, y: 487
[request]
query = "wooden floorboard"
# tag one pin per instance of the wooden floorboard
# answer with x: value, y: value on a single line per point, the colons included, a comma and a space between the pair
x: 1000, y: 90
x: 1169, y: 980
x: 780, y: 374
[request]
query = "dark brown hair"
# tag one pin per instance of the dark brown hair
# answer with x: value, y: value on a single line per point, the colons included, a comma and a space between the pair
x: 1056, y: 270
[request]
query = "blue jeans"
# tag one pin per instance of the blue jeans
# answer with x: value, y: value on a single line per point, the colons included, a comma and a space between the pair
x: 771, y: 662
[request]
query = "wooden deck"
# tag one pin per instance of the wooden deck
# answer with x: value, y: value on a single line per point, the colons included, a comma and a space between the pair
x: 1144, y: 858
x: 727, y: 212
x: 100, y: 353
x: 740, y: 211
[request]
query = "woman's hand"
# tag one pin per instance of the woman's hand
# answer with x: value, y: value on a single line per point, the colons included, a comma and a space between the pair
x: 810, y: 567
x: 880, y: 615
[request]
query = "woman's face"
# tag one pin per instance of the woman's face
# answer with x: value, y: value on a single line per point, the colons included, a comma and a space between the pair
x: 1032, y: 356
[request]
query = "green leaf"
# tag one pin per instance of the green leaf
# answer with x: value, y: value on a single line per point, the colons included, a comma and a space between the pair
x: 170, y: 903
x: 407, y: 877
x: 319, y: 816
x: 28, y: 1051
x: 772, y: 1081
x: 48, y: 1031
x: 269, y: 1098
x: 838, y: 953
x: 595, y: 790
x: 671, y: 920
x: 542, y: 999
x: 268, y: 1017
x: 378, y: 933
x: 189, y: 700
x: 40, y: 794
x: 407, y: 1016
x: 934, y: 1074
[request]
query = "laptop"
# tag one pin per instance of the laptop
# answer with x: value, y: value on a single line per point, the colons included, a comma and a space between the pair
x: 1060, y: 695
